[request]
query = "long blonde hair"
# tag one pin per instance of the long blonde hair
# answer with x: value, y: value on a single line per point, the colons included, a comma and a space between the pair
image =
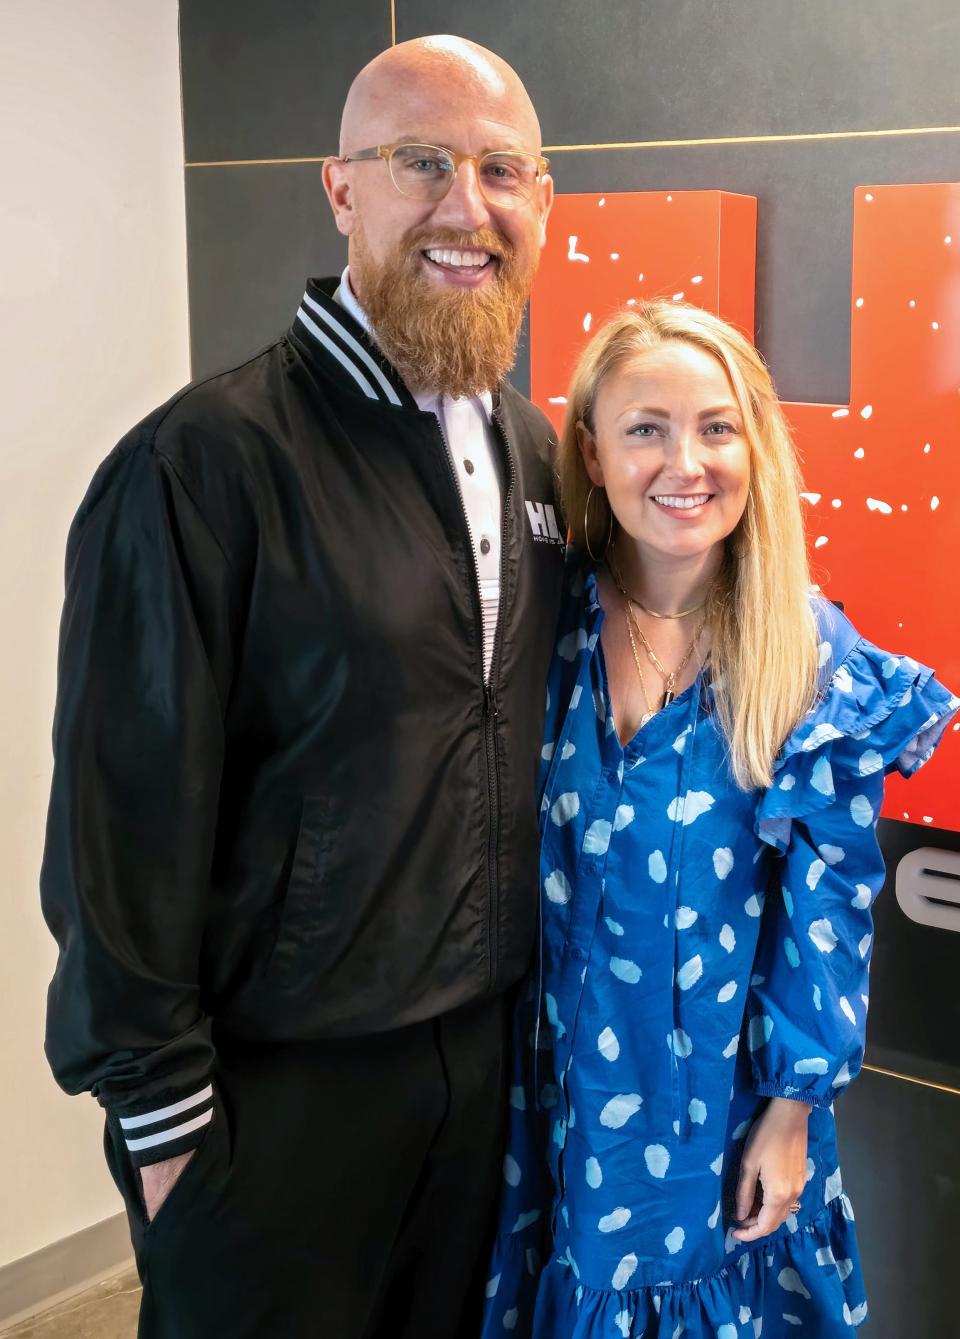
x: 764, y: 642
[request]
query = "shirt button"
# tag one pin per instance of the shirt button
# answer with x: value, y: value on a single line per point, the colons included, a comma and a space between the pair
x: 484, y: 545
x: 591, y: 867
x: 468, y: 466
x: 576, y: 954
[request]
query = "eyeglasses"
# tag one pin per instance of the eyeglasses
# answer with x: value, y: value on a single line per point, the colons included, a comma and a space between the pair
x: 507, y: 177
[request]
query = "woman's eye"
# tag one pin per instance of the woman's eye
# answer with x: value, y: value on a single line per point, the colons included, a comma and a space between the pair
x: 720, y: 430
x: 643, y: 430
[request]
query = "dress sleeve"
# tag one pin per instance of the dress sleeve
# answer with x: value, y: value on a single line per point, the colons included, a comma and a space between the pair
x: 808, y: 998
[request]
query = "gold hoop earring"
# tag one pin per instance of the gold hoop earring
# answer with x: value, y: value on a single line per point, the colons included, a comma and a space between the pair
x: 586, y: 527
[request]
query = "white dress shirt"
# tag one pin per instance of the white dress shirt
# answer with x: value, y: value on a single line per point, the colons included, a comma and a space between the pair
x: 466, y: 429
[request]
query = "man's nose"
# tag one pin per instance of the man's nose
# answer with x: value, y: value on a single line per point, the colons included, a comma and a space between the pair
x: 463, y: 206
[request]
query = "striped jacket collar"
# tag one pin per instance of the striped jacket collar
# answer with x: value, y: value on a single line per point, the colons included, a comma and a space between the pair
x: 339, y: 343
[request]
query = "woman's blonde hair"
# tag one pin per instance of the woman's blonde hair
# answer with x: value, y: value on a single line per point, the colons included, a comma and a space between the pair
x: 764, y: 643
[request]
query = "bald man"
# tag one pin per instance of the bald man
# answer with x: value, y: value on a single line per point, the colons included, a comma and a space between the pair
x: 292, y: 845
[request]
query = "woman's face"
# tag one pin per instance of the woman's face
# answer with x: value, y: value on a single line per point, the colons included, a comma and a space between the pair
x: 670, y: 451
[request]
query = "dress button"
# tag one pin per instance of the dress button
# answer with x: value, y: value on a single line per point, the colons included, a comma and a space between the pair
x: 576, y: 954
x: 591, y: 867
x: 468, y: 466
x: 484, y: 545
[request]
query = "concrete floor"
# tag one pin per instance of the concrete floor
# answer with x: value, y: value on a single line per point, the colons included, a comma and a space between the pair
x: 107, y: 1311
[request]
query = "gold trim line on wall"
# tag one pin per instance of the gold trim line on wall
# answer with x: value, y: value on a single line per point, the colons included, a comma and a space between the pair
x: 909, y: 1078
x: 805, y: 138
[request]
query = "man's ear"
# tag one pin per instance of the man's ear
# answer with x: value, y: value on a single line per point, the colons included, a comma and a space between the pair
x: 336, y: 183
x: 546, y: 204
x: 588, y: 449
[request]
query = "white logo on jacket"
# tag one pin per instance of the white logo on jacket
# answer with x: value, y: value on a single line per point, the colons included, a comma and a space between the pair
x: 543, y: 523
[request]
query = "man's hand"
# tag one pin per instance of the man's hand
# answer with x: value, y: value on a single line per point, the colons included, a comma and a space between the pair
x: 774, y: 1169
x: 159, y: 1179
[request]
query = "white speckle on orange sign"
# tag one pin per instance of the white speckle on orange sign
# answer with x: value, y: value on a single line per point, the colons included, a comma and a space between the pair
x: 820, y: 541
x: 836, y: 502
x: 934, y: 325
x: 640, y: 277
x: 868, y: 197
x: 601, y: 202
x: 697, y: 279
x: 811, y: 497
x: 926, y: 448
x: 913, y: 302
x: 948, y: 240
x: 669, y: 199
x: 934, y: 502
x: 840, y: 413
x: 859, y: 453
x: 614, y: 255
x: 866, y: 411
x: 588, y: 321
x: 678, y: 297
x: 574, y: 254
x: 558, y: 399
x: 876, y: 504
x: 859, y: 302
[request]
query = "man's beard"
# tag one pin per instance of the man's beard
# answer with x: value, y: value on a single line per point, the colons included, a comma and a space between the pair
x: 455, y: 341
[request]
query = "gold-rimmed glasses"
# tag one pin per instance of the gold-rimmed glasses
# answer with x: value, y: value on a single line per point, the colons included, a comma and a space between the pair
x: 507, y: 178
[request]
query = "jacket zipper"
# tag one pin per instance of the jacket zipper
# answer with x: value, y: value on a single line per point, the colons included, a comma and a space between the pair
x: 490, y: 710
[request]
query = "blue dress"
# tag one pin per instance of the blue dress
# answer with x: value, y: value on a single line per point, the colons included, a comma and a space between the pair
x: 702, y: 950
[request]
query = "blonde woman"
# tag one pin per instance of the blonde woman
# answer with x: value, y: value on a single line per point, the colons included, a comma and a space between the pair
x: 717, y: 739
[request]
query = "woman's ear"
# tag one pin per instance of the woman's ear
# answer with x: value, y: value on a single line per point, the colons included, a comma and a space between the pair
x: 588, y: 449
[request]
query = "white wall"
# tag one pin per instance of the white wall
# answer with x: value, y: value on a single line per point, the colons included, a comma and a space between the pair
x: 93, y: 334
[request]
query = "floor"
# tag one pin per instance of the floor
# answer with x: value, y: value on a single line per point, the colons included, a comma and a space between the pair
x: 107, y: 1311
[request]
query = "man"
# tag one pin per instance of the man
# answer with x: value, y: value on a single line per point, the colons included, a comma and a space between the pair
x: 291, y: 856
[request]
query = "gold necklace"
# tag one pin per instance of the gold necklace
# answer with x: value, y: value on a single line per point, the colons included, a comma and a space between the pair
x: 669, y: 677
x: 618, y: 582
x: 649, y: 712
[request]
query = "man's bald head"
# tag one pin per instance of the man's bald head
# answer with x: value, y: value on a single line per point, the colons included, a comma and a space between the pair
x: 442, y: 274
x: 437, y: 77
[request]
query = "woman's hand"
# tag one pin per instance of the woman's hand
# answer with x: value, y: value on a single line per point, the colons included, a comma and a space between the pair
x: 773, y: 1172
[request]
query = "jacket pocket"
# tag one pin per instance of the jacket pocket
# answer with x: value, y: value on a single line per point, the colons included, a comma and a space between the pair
x: 304, y: 907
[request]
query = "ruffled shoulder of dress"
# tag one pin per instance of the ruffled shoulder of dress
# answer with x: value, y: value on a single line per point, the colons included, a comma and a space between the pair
x: 876, y: 711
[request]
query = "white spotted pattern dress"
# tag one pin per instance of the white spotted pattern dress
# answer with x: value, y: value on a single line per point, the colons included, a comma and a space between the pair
x: 702, y: 950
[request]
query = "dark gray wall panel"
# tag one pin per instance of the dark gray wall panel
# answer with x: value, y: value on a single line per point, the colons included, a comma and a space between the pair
x: 252, y: 231
x: 914, y: 1025
x: 268, y: 80
x: 804, y: 229
x: 678, y: 69
x: 901, y: 1167
x: 253, y: 236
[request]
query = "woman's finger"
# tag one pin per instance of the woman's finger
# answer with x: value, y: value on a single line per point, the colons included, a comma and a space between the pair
x: 747, y: 1190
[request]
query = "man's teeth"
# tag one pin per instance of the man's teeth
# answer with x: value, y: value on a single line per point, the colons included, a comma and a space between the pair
x: 467, y: 260
x: 681, y: 503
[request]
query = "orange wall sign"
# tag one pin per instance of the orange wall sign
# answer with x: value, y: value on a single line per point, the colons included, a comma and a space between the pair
x: 882, y: 474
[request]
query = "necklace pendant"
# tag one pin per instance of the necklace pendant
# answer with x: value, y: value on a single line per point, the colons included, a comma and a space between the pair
x: 647, y: 716
x: 667, y: 698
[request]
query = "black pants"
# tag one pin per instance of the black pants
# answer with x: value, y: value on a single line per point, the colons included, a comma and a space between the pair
x: 344, y: 1190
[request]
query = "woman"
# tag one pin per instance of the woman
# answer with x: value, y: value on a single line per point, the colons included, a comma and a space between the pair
x: 713, y: 772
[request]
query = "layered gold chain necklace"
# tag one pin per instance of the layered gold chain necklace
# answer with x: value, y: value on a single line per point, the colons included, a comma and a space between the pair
x: 634, y: 630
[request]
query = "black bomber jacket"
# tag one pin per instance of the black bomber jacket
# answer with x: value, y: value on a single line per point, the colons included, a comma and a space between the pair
x: 285, y: 805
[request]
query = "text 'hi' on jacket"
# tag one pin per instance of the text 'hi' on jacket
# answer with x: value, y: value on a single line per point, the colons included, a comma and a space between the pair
x: 284, y: 800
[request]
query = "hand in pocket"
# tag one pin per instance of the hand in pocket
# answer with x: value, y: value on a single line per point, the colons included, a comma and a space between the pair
x: 159, y: 1179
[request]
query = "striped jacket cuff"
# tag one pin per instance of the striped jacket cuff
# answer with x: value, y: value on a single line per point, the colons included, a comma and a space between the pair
x: 151, y: 1136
